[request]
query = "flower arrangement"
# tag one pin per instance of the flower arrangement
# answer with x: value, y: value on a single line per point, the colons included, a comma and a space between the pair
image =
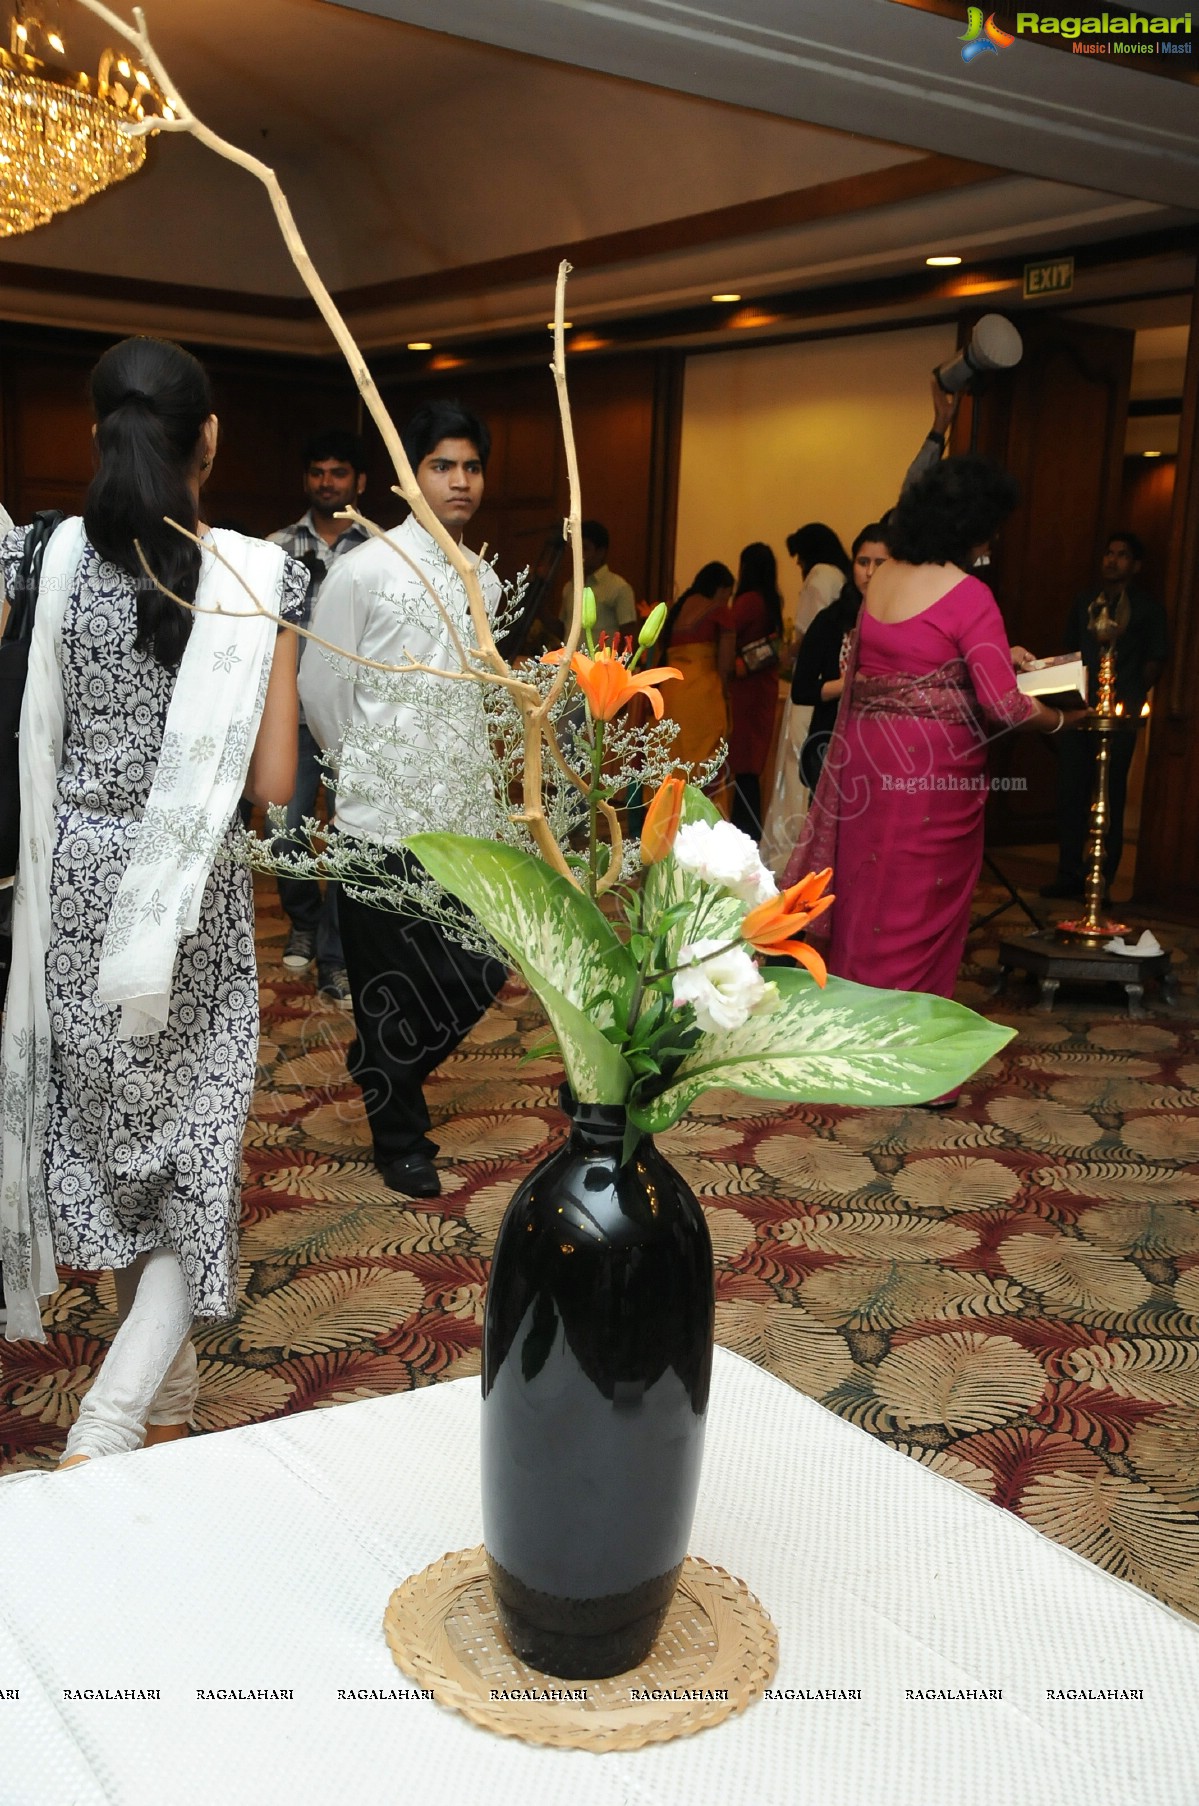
x: 678, y: 1001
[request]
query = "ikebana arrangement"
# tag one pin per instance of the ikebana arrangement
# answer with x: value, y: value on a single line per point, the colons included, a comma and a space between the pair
x: 665, y: 968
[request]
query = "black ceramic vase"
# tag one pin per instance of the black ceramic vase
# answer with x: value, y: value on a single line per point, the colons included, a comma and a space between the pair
x: 597, y: 1358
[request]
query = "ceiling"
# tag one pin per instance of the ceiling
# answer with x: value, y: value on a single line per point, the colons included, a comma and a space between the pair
x: 438, y: 175
x: 854, y: 63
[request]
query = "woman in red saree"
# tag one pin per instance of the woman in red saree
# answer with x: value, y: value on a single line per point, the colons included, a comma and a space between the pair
x: 898, y: 812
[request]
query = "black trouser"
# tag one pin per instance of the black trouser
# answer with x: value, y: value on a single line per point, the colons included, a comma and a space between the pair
x: 747, y: 804
x: 1076, y: 784
x: 416, y: 993
x: 304, y: 904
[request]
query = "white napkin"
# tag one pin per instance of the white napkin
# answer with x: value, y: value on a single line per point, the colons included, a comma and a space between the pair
x: 1148, y: 947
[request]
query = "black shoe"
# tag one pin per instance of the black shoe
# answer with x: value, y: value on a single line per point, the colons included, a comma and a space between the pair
x: 1061, y: 888
x: 336, y: 987
x: 299, y: 950
x: 412, y: 1174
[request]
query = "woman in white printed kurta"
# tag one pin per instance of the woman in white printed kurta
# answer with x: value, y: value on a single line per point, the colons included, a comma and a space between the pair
x: 130, y: 1035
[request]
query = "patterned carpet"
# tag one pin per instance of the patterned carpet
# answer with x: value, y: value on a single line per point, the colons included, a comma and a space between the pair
x: 1008, y: 1292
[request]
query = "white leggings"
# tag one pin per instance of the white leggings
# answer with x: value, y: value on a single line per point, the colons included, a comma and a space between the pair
x: 149, y: 1374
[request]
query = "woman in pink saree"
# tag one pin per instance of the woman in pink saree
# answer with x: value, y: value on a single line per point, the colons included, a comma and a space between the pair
x: 898, y: 812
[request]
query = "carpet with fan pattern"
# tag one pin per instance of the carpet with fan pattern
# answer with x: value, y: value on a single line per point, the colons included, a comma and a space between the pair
x: 1007, y: 1291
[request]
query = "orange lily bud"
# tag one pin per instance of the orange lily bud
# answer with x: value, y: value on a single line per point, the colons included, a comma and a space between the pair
x: 662, y: 821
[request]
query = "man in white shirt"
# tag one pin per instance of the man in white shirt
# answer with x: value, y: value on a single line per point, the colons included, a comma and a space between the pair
x: 615, y: 606
x: 415, y: 992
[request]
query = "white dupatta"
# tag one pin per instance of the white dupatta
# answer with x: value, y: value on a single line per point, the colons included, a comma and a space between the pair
x: 211, y: 724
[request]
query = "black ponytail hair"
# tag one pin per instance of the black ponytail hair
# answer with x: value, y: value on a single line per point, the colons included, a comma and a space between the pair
x: 151, y: 398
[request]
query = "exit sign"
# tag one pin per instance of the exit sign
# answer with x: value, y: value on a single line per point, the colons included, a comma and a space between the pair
x: 1053, y: 276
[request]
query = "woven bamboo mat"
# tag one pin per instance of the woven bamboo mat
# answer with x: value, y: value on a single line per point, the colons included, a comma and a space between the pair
x: 716, y: 1652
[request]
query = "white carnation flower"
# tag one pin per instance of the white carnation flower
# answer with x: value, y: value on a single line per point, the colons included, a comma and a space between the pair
x: 724, y: 991
x: 721, y: 854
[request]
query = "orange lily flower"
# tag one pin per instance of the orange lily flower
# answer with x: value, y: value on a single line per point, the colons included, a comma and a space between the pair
x: 772, y: 926
x: 606, y: 683
x: 662, y: 821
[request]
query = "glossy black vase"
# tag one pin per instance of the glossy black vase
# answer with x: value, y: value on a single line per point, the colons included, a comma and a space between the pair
x: 597, y: 1358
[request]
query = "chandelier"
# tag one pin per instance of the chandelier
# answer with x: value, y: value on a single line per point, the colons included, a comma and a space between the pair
x: 60, y: 130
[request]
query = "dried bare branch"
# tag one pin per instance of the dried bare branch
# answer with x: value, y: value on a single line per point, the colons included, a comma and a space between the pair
x: 406, y: 485
x: 506, y: 680
x: 378, y: 532
x: 573, y: 523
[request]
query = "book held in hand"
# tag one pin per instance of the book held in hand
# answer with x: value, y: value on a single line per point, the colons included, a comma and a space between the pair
x: 1060, y: 683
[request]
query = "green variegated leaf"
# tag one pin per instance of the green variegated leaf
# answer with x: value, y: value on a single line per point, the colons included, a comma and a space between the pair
x: 597, y: 1071
x: 667, y: 884
x: 543, y: 922
x: 846, y: 1044
x: 564, y: 947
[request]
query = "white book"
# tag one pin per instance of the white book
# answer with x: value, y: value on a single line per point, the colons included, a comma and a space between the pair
x: 1060, y: 683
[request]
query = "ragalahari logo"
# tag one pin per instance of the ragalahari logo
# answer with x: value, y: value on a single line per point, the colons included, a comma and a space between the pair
x: 983, y: 34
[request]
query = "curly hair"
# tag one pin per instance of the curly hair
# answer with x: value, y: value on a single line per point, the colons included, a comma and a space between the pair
x: 954, y: 508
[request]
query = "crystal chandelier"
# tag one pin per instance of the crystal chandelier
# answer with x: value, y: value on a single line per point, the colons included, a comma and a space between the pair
x: 60, y: 130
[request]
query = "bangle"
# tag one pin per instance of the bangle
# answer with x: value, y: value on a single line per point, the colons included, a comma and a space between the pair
x: 938, y: 438
x: 1061, y: 722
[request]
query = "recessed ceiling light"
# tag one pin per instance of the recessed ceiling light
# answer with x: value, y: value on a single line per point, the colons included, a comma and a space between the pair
x: 728, y: 297
x: 941, y: 263
x: 1156, y: 454
x: 748, y: 318
x: 980, y: 285
x: 419, y: 345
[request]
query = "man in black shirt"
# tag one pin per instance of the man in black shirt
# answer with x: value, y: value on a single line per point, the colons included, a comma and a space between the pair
x: 1141, y: 650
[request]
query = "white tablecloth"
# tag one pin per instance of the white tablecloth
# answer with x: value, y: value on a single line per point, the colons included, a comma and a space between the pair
x: 264, y: 1557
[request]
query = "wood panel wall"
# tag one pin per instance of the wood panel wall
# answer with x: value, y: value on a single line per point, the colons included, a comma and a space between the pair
x: 626, y: 412
x: 1058, y: 424
x: 1146, y: 507
x: 267, y: 407
x: 1168, y: 847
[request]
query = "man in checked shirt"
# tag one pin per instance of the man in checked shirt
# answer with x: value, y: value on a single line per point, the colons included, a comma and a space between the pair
x: 334, y: 478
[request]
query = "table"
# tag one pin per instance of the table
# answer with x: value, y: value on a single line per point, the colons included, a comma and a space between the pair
x: 1050, y: 961
x: 263, y: 1558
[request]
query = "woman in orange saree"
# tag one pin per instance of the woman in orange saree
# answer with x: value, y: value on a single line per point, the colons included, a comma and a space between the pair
x: 698, y: 640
